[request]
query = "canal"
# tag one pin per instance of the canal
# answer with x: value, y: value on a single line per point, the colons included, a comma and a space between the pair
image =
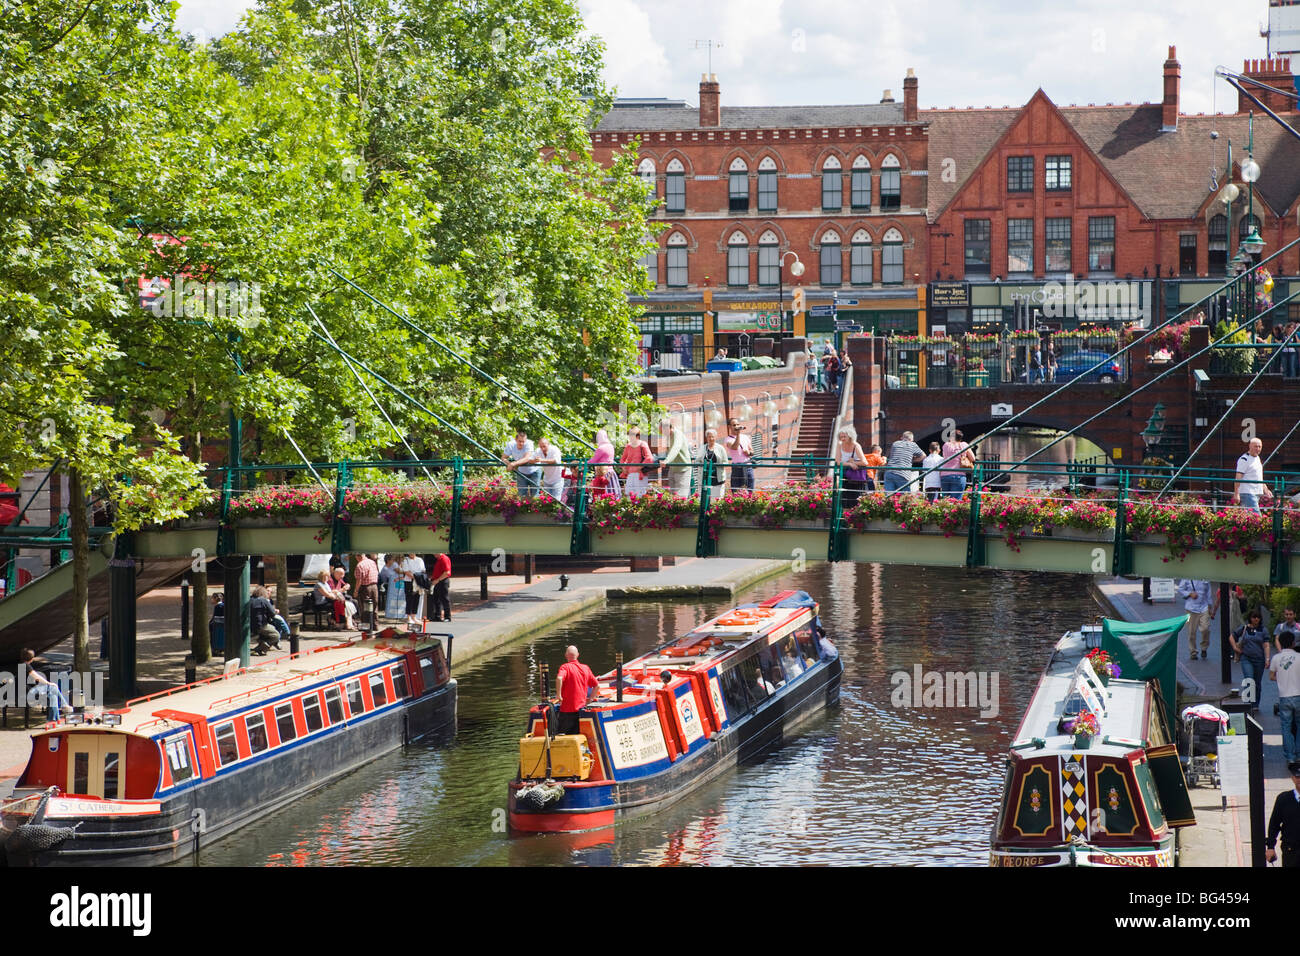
x: 871, y: 782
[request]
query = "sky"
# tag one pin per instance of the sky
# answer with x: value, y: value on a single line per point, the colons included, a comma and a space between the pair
x: 965, y: 52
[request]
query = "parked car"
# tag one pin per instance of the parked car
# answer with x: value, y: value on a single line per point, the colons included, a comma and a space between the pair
x: 1074, y: 364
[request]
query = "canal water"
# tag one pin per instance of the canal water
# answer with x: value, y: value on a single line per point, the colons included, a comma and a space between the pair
x: 871, y: 782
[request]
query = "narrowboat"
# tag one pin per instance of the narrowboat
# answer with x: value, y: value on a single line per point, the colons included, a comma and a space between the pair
x: 673, y: 719
x: 1115, y: 797
x: 156, y: 780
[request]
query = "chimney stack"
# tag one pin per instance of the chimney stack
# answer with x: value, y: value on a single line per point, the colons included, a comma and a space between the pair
x: 1173, y: 76
x: 888, y: 97
x: 710, y: 110
x: 909, y: 96
x: 1275, y: 72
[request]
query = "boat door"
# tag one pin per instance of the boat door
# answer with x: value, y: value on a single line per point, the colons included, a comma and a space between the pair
x: 97, y: 765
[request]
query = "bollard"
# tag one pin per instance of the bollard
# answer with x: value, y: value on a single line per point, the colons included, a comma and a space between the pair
x: 191, y: 669
x: 368, y: 613
x: 564, y: 582
x: 185, y: 610
x: 618, y: 667
x: 482, y: 582
x: 529, y: 561
x: 294, y: 637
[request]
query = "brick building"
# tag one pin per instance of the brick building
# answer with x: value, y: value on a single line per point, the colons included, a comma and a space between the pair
x: 746, y: 190
x: 1020, y: 199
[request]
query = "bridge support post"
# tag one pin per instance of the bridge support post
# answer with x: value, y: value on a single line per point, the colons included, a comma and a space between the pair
x: 705, y: 546
x: 234, y: 569
x: 122, y: 617
x: 457, y: 538
x: 975, y: 551
x: 580, y: 535
x: 835, y: 545
x: 1279, y: 571
x: 340, y: 530
x: 1122, y: 559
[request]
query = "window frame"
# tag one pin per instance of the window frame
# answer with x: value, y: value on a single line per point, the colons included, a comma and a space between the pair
x: 855, y: 246
x: 280, y: 719
x: 1098, y: 241
x: 257, y: 720
x: 767, y: 187
x: 352, y: 697
x: 232, y: 738
x: 772, y: 269
x: 738, y: 198
x: 401, y: 686
x: 1049, y: 240
x: 738, y: 262
x: 889, y: 247
x: 1018, y: 245
x: 313, y: 699
x: 891, y: 184
x: 986, y: 241
x: 172, y: 746
x: 832, y: 185
x: 856, y: 189
x: 382, y: 699
x: 835, y: 265
x: 1187, y: 270
x: 677, y: 269
x: 1021, y: 178
x: 333, y: 703
x: 1063, y: 164
x: 675, y: 192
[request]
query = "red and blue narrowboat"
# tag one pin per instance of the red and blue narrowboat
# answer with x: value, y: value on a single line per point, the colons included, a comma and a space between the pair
x: 172, y: 772
x: 1114, y: 796
x: 674, y: 719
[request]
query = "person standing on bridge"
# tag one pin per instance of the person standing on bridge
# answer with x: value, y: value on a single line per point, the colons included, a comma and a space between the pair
x: 957, y: 458
x: 1249, y: 486
x: 904, y: 455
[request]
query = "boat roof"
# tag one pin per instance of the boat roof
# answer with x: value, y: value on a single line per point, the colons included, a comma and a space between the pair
x: 217, y: 696
x: 1123, y: 723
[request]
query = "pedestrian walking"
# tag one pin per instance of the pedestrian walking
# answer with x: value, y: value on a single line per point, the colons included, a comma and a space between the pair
x: 1036, y: 363
x: 550, y: 458
x: 520, y: 457
x: 932, y: 477
x: 904, y: 455
x: 1252, y: 645
x: 440, y: 596
x: 1288, y: 623
x: 853, y: 464
x: 1284, y: 823
x: 1284, y: 669
x: 831, y: 364
x: 741, y: 449
x: 1249, y: 486
x: 957, y: 458
x: 636, y: 453
x: 1201, y: 602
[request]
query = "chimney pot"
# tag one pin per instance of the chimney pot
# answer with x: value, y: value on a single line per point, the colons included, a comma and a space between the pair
x: 888, y: 97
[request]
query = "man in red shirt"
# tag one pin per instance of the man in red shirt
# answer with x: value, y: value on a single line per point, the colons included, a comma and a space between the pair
x: 441, y: 588
x: 577, y: 686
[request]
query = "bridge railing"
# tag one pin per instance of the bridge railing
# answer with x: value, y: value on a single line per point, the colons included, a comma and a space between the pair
x: 978, y: 359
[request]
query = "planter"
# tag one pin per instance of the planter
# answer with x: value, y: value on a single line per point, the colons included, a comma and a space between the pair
x: 519, y: 520
x: 385, y: 539
x: 1104, y: 535
x: 177, y: 543
x: 302, y: 539
x: 548, y: 538
x: 779, y: 543
x: 1083, y: 741
x: 1049, y: 554
x: 649, y: 542
x: 298, y: 521
x: 900, y: 547
x: 977, y: 379
x: 1155, y: 561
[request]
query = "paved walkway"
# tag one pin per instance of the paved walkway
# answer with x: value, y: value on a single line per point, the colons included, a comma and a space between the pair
x: 1221, y: 836
x: 512, y: 610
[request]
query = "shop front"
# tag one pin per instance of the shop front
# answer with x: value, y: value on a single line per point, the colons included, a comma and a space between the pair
x: 673, y: 340
x: 1056, y: 304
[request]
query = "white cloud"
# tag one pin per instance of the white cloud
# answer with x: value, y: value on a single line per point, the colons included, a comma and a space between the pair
x: 207, y: 19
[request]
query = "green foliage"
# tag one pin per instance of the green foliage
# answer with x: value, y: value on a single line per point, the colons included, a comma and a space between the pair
x: 1234, y: 361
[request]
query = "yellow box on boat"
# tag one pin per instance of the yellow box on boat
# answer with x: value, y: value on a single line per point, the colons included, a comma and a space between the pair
x: 570, y: 757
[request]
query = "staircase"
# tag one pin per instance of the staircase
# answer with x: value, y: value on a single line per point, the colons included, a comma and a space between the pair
x: 815, y: 424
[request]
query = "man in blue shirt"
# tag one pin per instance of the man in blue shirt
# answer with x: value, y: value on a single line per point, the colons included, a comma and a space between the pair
x: 1201, y: 602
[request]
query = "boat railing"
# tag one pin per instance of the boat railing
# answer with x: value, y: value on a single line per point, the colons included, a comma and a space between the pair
x: 294, y: 678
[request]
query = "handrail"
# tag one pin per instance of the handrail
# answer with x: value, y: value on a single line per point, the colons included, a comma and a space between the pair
x: 294, y: 678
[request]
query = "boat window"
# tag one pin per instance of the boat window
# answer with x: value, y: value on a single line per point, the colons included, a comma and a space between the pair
x: 311, y: 710
x: 757, y: 687
x: 769, y: 659
x: 80, y: 772
x: 257, y: 739
x: 427, y: 672
x: 377, y: 690
x: 399, y: 682
x: 227, y: 749
x: 733, y: 692
x: 356, y: 704
x: 334, y: 704
x: 284, y: 722
x: 178, y: 758
x: 790, y: 656
x: 112, y: 764
x: 808, y: 646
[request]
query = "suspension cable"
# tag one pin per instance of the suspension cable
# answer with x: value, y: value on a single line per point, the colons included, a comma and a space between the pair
x: 397, y: 431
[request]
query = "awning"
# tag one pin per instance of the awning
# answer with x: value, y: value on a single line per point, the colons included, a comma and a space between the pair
x: 1147, y: 652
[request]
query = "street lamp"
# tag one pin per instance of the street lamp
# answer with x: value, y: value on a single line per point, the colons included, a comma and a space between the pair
x: 1252, y: 242
x: 796, y: 270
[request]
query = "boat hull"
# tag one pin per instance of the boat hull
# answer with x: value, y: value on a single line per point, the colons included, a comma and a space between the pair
x: 1157, y: 856
x: 592, y: 806
x: 214, y: 809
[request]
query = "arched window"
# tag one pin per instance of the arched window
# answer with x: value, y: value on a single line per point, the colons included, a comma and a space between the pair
x: 675, y: 186
x: 650, y: 262
x: 891, y: 183
x: 832, y: 185
x: 860, y: 272
x: 891, y: 258
x: 769, y: 259
x: 646, y: 170
x: 860, y: 185
x: 1218, y: 245
x: 1245, y: 226
x: 677, y: 275
x: 767, y: 185
x: 738, y: 186
x: 832, y: 262
x: 738, y: 259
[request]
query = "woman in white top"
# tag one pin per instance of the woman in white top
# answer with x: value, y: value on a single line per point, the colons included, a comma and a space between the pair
x: 854, y: 464
x: 412, y: 568
x: 933, y: 479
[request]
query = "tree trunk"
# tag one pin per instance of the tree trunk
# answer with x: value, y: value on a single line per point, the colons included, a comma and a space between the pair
x: 200, y: 643
x: 80, y: 573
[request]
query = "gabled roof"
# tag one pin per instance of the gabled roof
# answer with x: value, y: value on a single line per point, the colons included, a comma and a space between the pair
x: 750, y: 117
x: 1166, y: 173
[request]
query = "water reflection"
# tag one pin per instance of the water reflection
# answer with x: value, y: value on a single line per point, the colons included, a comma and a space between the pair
x: 866, y: 783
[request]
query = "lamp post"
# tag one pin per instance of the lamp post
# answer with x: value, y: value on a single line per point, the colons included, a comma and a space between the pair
x: 796, y: 270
